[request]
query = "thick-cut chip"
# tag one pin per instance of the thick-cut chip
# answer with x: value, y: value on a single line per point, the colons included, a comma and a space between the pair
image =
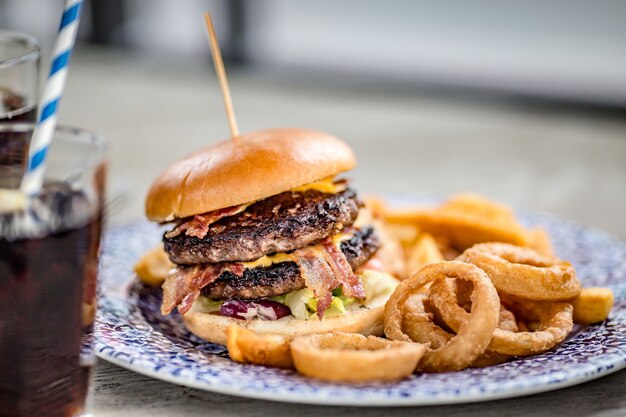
x: 464, y: 220
x: 464, y: 230
x: 247, y: 346
x: 376, y: 205
x: 447, y: 251
x: 474, y: 204
x: 153, y: 267
x: 540, y: 242
x: 348, y: 357
x: 391, y: 252
x: 524, y: 273
x: 472, y: 338
x: 406, y: 234
x: 424, y: 251
x: 593, y: 305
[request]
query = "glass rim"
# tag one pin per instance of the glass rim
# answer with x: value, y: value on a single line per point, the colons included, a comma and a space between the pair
x: 74, y: 134
x: 32, y: 49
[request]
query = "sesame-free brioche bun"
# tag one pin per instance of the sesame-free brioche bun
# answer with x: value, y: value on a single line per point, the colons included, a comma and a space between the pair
x: 212, y: 327
x: 365, y: 319
x: 250, y: 167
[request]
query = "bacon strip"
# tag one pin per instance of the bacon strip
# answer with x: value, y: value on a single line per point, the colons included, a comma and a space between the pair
x: 318, y: 277
x: 199, y: 224
x: 351, y: 284
x: 182, y: 286
x: 236, y: 268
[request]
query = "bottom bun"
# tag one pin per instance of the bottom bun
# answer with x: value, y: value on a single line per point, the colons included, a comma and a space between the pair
x: 212, y: 327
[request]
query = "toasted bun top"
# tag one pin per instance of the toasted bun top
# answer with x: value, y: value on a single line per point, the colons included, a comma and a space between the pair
x: 251, y: 167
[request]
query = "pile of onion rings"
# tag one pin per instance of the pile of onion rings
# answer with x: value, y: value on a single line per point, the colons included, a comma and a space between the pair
x: 495, y: 302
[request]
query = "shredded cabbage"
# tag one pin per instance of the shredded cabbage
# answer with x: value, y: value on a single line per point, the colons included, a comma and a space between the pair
x: 304, y: 306
x: 378, y: 287
x: 208, y: 305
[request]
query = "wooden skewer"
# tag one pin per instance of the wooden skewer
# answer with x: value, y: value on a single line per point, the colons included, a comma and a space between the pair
x: 221, y: 75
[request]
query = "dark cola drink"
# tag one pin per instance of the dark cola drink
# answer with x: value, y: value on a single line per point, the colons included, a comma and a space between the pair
x: 14, y: 145
x: 48, y: 269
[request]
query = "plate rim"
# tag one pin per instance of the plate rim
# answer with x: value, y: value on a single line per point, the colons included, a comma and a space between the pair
x: 608, y: 369
x: 578, y: 375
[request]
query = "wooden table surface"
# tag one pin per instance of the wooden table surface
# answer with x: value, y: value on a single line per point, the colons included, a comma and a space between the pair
x: 152, y: 111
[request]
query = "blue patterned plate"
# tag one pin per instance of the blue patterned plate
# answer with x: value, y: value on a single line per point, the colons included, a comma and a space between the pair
x: 132, y: 333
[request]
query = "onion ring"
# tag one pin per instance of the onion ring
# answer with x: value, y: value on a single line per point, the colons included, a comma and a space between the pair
x: 506, y: 320
x: 417, y: 324
x: 349, y: 357
x: 443, y: 298
x: 472, y: 338
x: 522, y: 326
x: 524, y: 273
x: 419, y: 329
x: 555, y: 322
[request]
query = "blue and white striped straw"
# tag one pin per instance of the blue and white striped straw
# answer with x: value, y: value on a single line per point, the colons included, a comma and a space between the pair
x: 53, y: 90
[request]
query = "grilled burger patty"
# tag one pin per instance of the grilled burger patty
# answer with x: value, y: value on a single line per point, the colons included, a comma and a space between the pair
x: 281, y: 223
x: 285, y: 277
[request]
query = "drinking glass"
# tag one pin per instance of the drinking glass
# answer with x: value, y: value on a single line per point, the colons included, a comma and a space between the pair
x: 19, y: 87
x: 49, y: 246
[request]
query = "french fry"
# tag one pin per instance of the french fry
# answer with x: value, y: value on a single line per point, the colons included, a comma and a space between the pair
x: 153, y: 267
x: 449, y: 253
x: 391, y: 253
x: 424, y: 251
x: 540, y: 241
x: 593, y: 305
x: 474, y: 204
x: 376, y: 205
x: 406, y: 234
x: 247, y: 346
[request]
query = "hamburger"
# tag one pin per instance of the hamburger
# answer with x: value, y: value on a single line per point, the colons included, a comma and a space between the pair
x: 263, y: 234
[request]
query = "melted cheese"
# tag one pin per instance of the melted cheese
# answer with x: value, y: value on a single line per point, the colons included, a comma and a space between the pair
x: 325, y: 185
x: 340, y: 237
x: 268, y: 260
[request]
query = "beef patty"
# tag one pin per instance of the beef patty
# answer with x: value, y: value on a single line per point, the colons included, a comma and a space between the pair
x: 284, y: 277
x: 281, y: 223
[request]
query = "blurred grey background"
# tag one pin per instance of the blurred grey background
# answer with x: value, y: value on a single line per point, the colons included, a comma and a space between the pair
x: 569, y: 50
x: 524, y: 102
